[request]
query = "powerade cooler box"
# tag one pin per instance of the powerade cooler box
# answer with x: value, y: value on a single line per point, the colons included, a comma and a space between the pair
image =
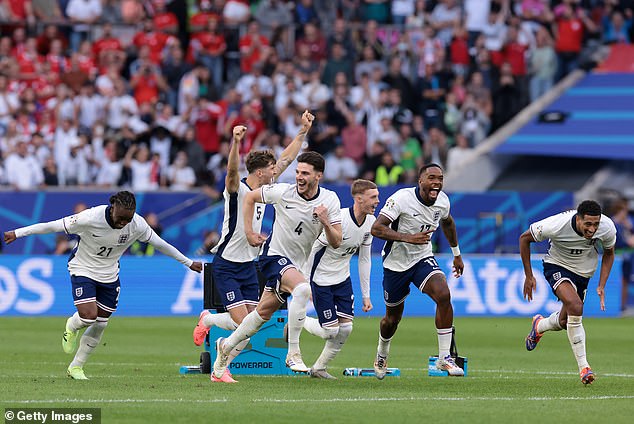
x: 266, y: 352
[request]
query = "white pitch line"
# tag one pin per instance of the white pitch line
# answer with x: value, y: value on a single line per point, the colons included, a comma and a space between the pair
x: 331, y: 400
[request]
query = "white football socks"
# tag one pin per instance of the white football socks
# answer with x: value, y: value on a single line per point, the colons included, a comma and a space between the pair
x: 383, y: 348
x: 297, y: 315
x: 89, y: 341
x: 313, y: 327
x: 577, y: 338
x: 222, y: 320
x: 549, y: 324
x: 77, y: 323
x: 236, y: 350
x: 444, y: 341
x: 333, y: 346
x: 249, y: 326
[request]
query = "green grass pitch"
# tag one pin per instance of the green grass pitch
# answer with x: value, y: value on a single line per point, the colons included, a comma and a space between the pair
x: 134, y: 376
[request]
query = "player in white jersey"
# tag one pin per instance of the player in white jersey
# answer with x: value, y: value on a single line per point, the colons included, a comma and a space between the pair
x: 407, y: 221
x: 105, y: 233
x: 571, y: 260
x: 234, y: 272
x: 302, y: 211
x: 330, y: 282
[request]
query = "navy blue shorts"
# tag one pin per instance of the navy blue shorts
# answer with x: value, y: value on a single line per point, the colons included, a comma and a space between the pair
x: 272, y: 267
x: 396, y: 284
x: 86, y: 290
x: 556, y: 274
x: 237, y: 283
x: 332, y: 302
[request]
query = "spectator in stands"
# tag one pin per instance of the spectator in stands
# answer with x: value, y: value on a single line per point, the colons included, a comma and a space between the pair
x: 193, y: 84
x: 51, y: 178
x: 74, y: 171
x: 272, y: 15
x: 180, y: 176
x: 411, y: 153
x: 173, y: 70
x: 139, y: 248
x: 109, y: 172
x: 433, y: 93
x: 569, y: 27
x: 244, y: 85
x: 236, y: 12
x: 458, y: 154
x: 89, y: 107
x: 254, y: 47
x: 340, y: 169
x: 164, y: 20
x: 194, y: 151
x: 120, y: 107
x: 315, y: 41
x: 209, y: 47
x: 388, y: 172
x: 616, y: 29
x: 83, y: 13
x: 436, y: 146
x: 338, y: 62
x: 542, y: 65
x: 23, y: 170
x: 145, y: 170
x: 507, y: 98
x: 341, y: 35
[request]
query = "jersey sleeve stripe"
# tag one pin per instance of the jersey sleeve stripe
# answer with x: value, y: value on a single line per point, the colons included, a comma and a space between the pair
x: 385, y: 214
x: 65, y: 229
x: 530, y: 228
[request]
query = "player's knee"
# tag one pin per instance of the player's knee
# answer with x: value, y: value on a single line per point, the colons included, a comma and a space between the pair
x: 330, y: 332
x: 442, y: 296
x: 88, y: 315
x: 575, y: 308
x: 301, y: 292
x: 345, y: 328
x: 392, y: 320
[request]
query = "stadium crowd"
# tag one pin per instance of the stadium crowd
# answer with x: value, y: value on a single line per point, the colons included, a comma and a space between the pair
x: 144, y: 93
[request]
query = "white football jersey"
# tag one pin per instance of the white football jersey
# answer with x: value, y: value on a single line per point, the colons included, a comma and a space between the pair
x: 568, y: 248
x: 100, y: 246
x: 233, y: 245
x: 409, y: 215
x: 295, y: 229
x: 329, y: 266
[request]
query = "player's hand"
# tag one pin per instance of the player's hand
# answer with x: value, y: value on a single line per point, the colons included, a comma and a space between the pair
x: 238, y: 132
x: 458, y: 266
x: 196, y: 266
x: 321, y: 213
x: 529, y: 287
x: 9, y: 237
x: 423, y: 237
x: 256, y: 239
x: 307, y: 119
x: 367, y: 304
x: 601, y: 293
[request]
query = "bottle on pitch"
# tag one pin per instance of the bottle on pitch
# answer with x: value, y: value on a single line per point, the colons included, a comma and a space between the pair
x: 358, y: 372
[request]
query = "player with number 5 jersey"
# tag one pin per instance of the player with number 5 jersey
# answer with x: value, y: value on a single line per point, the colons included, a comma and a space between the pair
x: 105, y: 233
x: 407, y: 221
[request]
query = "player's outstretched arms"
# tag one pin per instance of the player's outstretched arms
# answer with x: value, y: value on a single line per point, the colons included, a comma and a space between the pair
x: 40, y: 228
x: 381, y: 229
x: 169, y: 250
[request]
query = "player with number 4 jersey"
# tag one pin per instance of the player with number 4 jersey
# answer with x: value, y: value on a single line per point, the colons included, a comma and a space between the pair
x: 105, y: 233
x: 302, y: 211
x: 234, y: 273
x: 407, y: 221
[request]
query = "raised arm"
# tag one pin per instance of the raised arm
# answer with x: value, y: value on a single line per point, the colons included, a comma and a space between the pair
x: 607, y: 260
x: 252, y: 197
x: 525, y: 253
x: 381, y: 229
x: 232, y: 180
x: 449, y: 229
x: 292, y: 150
